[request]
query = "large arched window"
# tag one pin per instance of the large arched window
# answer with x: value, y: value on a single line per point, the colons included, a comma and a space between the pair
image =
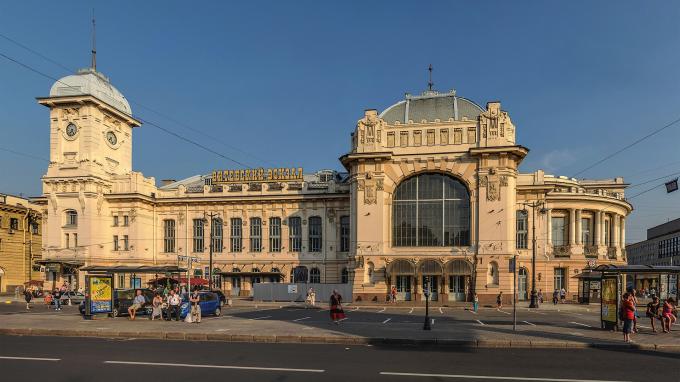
x: 431, y: 210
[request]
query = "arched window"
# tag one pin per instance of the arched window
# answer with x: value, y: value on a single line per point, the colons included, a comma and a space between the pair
x: 492, y: 273
x: 71, y: 218
x: 344, y: 276
x: 314, y: 276
x: 431, y: 210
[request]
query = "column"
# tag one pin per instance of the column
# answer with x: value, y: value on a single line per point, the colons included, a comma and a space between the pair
x: 597, y: 228
x: 548, y: 216
x: 579, y: 228
x: 615, y: 230
x: 572, y: 226
x: 623, y: 232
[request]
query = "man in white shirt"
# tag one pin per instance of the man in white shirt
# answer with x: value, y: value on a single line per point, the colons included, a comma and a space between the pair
x: 137, y: 304
x: 173, y: 305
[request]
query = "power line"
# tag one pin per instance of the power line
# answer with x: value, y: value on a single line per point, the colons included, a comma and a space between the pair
x: 24, y: 154
x: 653, y: 180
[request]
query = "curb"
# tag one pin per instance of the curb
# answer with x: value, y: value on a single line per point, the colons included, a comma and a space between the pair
x: 340, y: 340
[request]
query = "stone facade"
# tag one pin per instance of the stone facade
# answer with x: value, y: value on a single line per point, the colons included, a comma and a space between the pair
x: 20, y: 242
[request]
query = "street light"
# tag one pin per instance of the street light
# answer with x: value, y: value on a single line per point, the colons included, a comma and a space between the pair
x: 426, y: 292
x: 534, y: 294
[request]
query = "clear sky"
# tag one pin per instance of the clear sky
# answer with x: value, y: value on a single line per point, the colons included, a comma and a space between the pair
x: 282, y: 83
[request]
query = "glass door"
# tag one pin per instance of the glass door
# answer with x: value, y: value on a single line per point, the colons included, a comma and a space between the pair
x: 433, y: 283
x: 404, y: 287
x: 456, y: 288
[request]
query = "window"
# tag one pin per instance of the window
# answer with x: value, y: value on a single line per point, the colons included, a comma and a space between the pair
x: 344, y: 276
x: 14, y: 224
x: 586, y: 238
x: 71, y: 218
x: 559, y: 278
x: 430, y: 137
x: 236, y: 235
x: 115, y: 221
x: 295, y: 233
x: 314, y: 276
x: 559, y: 230
x: 492, y: 274
x: 390, y: 139
x: 607, y: 240
x: 417, y: 138
x: 522, y: 229
x: 75, y: 240
x: 217, y: 234
x: 255, y: 235
x: 471, y: 135
x: 126, y: 243
x: 275, y: 234
x: 126, y: 220
x: 431, y: 210
x: 344, y: 234
x: 444, y: 136
x: 121, y: 281
x: 199, y: 229
x: 457, y: 136
x: 115, y: 242
x: 34, y: 228
x: 315, y: 237
x: 403, y: 138
x: 67, y: 243
x: 169, y: 236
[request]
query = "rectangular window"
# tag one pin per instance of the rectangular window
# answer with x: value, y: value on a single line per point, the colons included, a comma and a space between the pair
x: 522, y: 230
x: 236, y: 235
x: 444, y: 136
x: 315, y: 236
x: 75, y: 240
x: 126, y: 221
x: 34, y: 228
x: 403, y: 138
x: 115, y: 243
x: 71, y: 218
x: 121, y: 281
x: 559, y: 278
x: 606, y: 233
x: 217, y: 235
x: 390, y: 139
x: 14, y: 224
x: 586, y: 238
x: 457, y: 136
x: 115, y: 221
x: 67, y: 243
x: 199, y: 234
x: 471, y: 135
x: 344, y: 234
x: 560, y: 226
x: 126, y: 243
x: 430, y: 137
x: 169, y: 236
x: 295, y: 233
x: 275, y: 234
x: 255, y: 235
x: 417, y: 138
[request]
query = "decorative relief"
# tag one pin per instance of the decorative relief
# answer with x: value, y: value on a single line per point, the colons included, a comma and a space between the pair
x: 493, y: 183
x: 504, y: 180
x: 379, y: 184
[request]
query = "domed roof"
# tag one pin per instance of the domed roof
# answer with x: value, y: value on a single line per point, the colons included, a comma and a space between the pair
x: 432, y: 105
x: 90, y: 82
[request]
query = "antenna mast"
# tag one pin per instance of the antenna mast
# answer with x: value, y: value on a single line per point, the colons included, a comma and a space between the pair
x: 94, y: 44
x: 430, y: 84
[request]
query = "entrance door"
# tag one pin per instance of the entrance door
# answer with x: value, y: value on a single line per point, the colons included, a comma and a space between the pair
x: 235, y: 286
x: 404, y: 287
x: 456, y: 288
x: 522, y: 284
x: 433, y: 282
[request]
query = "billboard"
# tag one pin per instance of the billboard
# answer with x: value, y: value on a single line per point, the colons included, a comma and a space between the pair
x: 100, y: 293
x: 609, y: 301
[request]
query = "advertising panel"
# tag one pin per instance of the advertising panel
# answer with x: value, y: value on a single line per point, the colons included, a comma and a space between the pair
x: 609, y: 305
x: 100, y: 290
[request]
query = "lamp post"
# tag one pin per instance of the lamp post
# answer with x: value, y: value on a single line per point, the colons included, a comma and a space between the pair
x: 534, y: 294
x: 426, y: 292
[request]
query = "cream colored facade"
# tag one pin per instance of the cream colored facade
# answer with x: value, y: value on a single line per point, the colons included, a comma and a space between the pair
x: 348, y: 230
x: 20, y: 242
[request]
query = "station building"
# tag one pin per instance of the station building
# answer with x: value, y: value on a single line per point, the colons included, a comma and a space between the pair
x: 429, y: 194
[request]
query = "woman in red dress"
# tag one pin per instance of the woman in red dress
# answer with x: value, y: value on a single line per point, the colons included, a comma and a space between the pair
x: 337, y: 314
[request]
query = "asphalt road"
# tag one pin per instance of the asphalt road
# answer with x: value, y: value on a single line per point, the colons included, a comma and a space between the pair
x: 88, y: 359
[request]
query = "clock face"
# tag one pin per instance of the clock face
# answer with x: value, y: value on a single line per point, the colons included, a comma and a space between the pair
x: 111, y: 137
x: 71, y: 129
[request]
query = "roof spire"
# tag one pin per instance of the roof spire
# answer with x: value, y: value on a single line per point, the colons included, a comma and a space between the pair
x: 94, y: 44
x: 430, y: 84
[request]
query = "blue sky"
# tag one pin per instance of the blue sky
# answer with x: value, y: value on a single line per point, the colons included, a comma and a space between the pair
x: 284, y: 82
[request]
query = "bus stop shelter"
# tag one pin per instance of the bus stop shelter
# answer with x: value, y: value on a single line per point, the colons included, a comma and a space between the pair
x: 647, y: 280
x: 135, y: 270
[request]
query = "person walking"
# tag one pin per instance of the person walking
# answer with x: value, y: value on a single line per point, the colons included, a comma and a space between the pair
x: 56, y: 297
x: 195, y: 306
x: 627, y: 315
x: 634, y: 300
x: 540, y: 296
x: 28, y: 296
x: 653, y: 312
x: 563, y: 295
x: 393, y: 295
x: 311, y: 297
x: 475, y: 302
x: 499, y: 301
x: 156, y: 307
x: 556, y: 295
x: 337, y: 314
x: 174, y: 302
x: 137, y: 303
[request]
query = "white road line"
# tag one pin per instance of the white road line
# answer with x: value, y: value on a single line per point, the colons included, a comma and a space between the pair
x: 529, y: 323
x: 480, y: 322
x: 215, y: 366
x: 386, y: 321
x: 356, y: 308
x: 432, y: 322
x: 441, y: 311
x: 382, y: 310
x: 462, y: 376
x: 578, y: 323
x: 222, y: 330
x: 31, y: 358
x: 342, y: 319
x: 261, y: 318
x: 502, y: 311
x: 410, y: 311
x: 576, y: 334
x: 644, y: 327
x: 303, y: 318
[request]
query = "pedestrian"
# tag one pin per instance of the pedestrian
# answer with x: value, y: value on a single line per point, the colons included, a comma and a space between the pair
x: 627, y: 314
x: 499, y: 301
x: 556, y: 295
x: 667, y: 314
x: 475, y: 302
x: 653, y: 312
x: 156, y: 307
x: 563, y: 295
x: 48, y: 300
x: 540, y: 296
x: 56, y: 297
x: 337, y: 314
x: 195, y: 306
x: 28, y: 296
x: 393, y: 294
x: 634, y: 300
x: 311, y: 297
x: 174, y: 302
x: 137, y: 303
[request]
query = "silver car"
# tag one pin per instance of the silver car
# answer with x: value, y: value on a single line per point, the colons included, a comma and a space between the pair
x: 75, y: 297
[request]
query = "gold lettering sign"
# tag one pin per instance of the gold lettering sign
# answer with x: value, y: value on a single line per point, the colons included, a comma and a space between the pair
x: 254, y: 175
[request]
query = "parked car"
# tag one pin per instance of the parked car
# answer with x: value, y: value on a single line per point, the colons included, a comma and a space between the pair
x: 122, y: 300
x: 221, y: 296
x: 208, y: 301
x: 75, y: 297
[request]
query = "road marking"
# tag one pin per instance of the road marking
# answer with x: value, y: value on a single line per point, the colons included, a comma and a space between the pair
x: 480, y: 322
x: 382, y: 310
x: 222, y: 330
x: 386, y: 321
x: 578, y: 323
x: 410, y: 311
x: 215, y: 366
x: 576, y: 334
x: 31, y: 358
x: 502, y: 311
x: 432, y: 322
x: 491, y: 377
x: 307, y: 328
x: 261, y: 318
x: 644, y: 327
x: 529, y: 323
x: 441, y: 311
x: 342, y: 319
x: 303, y: 318
x: 356, y: 308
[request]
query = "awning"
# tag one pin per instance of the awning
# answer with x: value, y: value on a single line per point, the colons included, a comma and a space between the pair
x: 251, y: 274
x: 194, y: 281
x: 588, y: 276
x: 70, y: 263
x: 34, y: 283
x: 134, y: 269
x: 611, y: 268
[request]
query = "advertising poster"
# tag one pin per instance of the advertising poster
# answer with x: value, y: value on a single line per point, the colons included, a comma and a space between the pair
x: 292, y: 288
x: 609, y: 311
x: 101, y: 294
